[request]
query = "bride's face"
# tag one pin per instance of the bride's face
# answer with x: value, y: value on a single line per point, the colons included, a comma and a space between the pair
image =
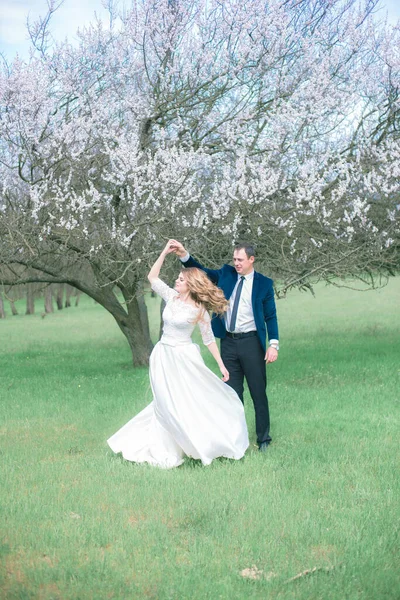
x: 181, y: 285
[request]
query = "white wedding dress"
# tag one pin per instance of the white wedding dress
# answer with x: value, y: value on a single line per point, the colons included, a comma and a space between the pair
x: 193, y: 413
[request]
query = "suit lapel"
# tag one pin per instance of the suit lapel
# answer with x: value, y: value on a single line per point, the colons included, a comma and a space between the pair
x: 231, y: 286
x: 256, y: 281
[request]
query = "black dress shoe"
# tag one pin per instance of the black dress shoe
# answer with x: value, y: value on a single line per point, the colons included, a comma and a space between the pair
x: 263, y: 447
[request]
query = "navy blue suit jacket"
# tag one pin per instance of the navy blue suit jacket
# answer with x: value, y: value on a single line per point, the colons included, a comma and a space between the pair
x: 263, y: 301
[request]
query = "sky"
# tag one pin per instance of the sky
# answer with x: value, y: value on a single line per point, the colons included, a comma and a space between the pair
x: 72, y: 15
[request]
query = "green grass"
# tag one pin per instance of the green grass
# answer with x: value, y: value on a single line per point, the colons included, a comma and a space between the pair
x: 78, y: 522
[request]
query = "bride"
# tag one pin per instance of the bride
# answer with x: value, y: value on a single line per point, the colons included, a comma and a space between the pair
x: 193, y: 412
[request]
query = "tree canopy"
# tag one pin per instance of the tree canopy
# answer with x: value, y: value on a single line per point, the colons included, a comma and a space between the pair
x: 208, y: 121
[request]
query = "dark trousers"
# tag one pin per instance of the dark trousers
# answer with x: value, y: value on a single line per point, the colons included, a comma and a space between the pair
x: 244, y: 357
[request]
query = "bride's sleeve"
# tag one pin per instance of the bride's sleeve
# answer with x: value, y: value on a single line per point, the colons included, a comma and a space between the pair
x: 205, y: 329
x: 162, y: 289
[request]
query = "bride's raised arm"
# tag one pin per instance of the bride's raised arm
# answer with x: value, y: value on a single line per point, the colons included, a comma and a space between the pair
x: 155, y: 269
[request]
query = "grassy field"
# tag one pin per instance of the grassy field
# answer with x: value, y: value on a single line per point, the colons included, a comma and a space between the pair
x: 316, y: 517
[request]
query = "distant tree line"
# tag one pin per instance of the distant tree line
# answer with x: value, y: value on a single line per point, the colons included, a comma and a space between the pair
x: 51, y: 297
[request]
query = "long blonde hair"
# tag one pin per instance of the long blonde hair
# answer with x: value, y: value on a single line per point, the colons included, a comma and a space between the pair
x: 204, y: 292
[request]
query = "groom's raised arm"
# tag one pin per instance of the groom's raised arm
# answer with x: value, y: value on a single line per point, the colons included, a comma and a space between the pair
x: 188, y: 261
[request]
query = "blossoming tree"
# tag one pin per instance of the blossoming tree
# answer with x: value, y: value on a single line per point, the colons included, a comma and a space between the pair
x: 207, y: 121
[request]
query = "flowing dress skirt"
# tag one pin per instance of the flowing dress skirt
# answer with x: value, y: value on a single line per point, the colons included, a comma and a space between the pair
x: 193, y: 413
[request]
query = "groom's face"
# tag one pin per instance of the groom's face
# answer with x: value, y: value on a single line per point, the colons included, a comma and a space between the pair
x: 243, y: 264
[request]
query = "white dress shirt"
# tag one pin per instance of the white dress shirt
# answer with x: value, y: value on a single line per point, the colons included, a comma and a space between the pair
x: 245, y: 317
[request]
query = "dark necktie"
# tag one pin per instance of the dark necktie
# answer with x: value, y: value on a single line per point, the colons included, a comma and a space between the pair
x: 236, y: 304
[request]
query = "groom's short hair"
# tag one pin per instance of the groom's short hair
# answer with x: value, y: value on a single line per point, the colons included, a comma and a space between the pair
x: 248, y: 248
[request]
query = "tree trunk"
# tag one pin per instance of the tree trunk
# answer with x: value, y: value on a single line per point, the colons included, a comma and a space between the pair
x: 48, y: 300
x: 13, y: 308
x: 137, y: 340
x: 135, y: 327
x: 30, y: 299
x: 2, y: 313
x: 144, y: 319
x: 60, y: 296
x: 68, y: 293
x: 132, y: 322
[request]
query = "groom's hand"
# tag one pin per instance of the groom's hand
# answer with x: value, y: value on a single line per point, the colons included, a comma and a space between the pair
x: 271, y: 355
x: 178, y: 248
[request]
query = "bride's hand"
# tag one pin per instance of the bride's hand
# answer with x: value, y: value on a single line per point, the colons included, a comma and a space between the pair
x: 225, y: 373
x: 170, y: 247
x: 179, y: 249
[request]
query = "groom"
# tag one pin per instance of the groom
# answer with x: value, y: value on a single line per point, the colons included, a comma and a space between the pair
x: 243, y: 328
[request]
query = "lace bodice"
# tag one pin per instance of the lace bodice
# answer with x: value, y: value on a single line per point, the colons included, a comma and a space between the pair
x: 180, y: 318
